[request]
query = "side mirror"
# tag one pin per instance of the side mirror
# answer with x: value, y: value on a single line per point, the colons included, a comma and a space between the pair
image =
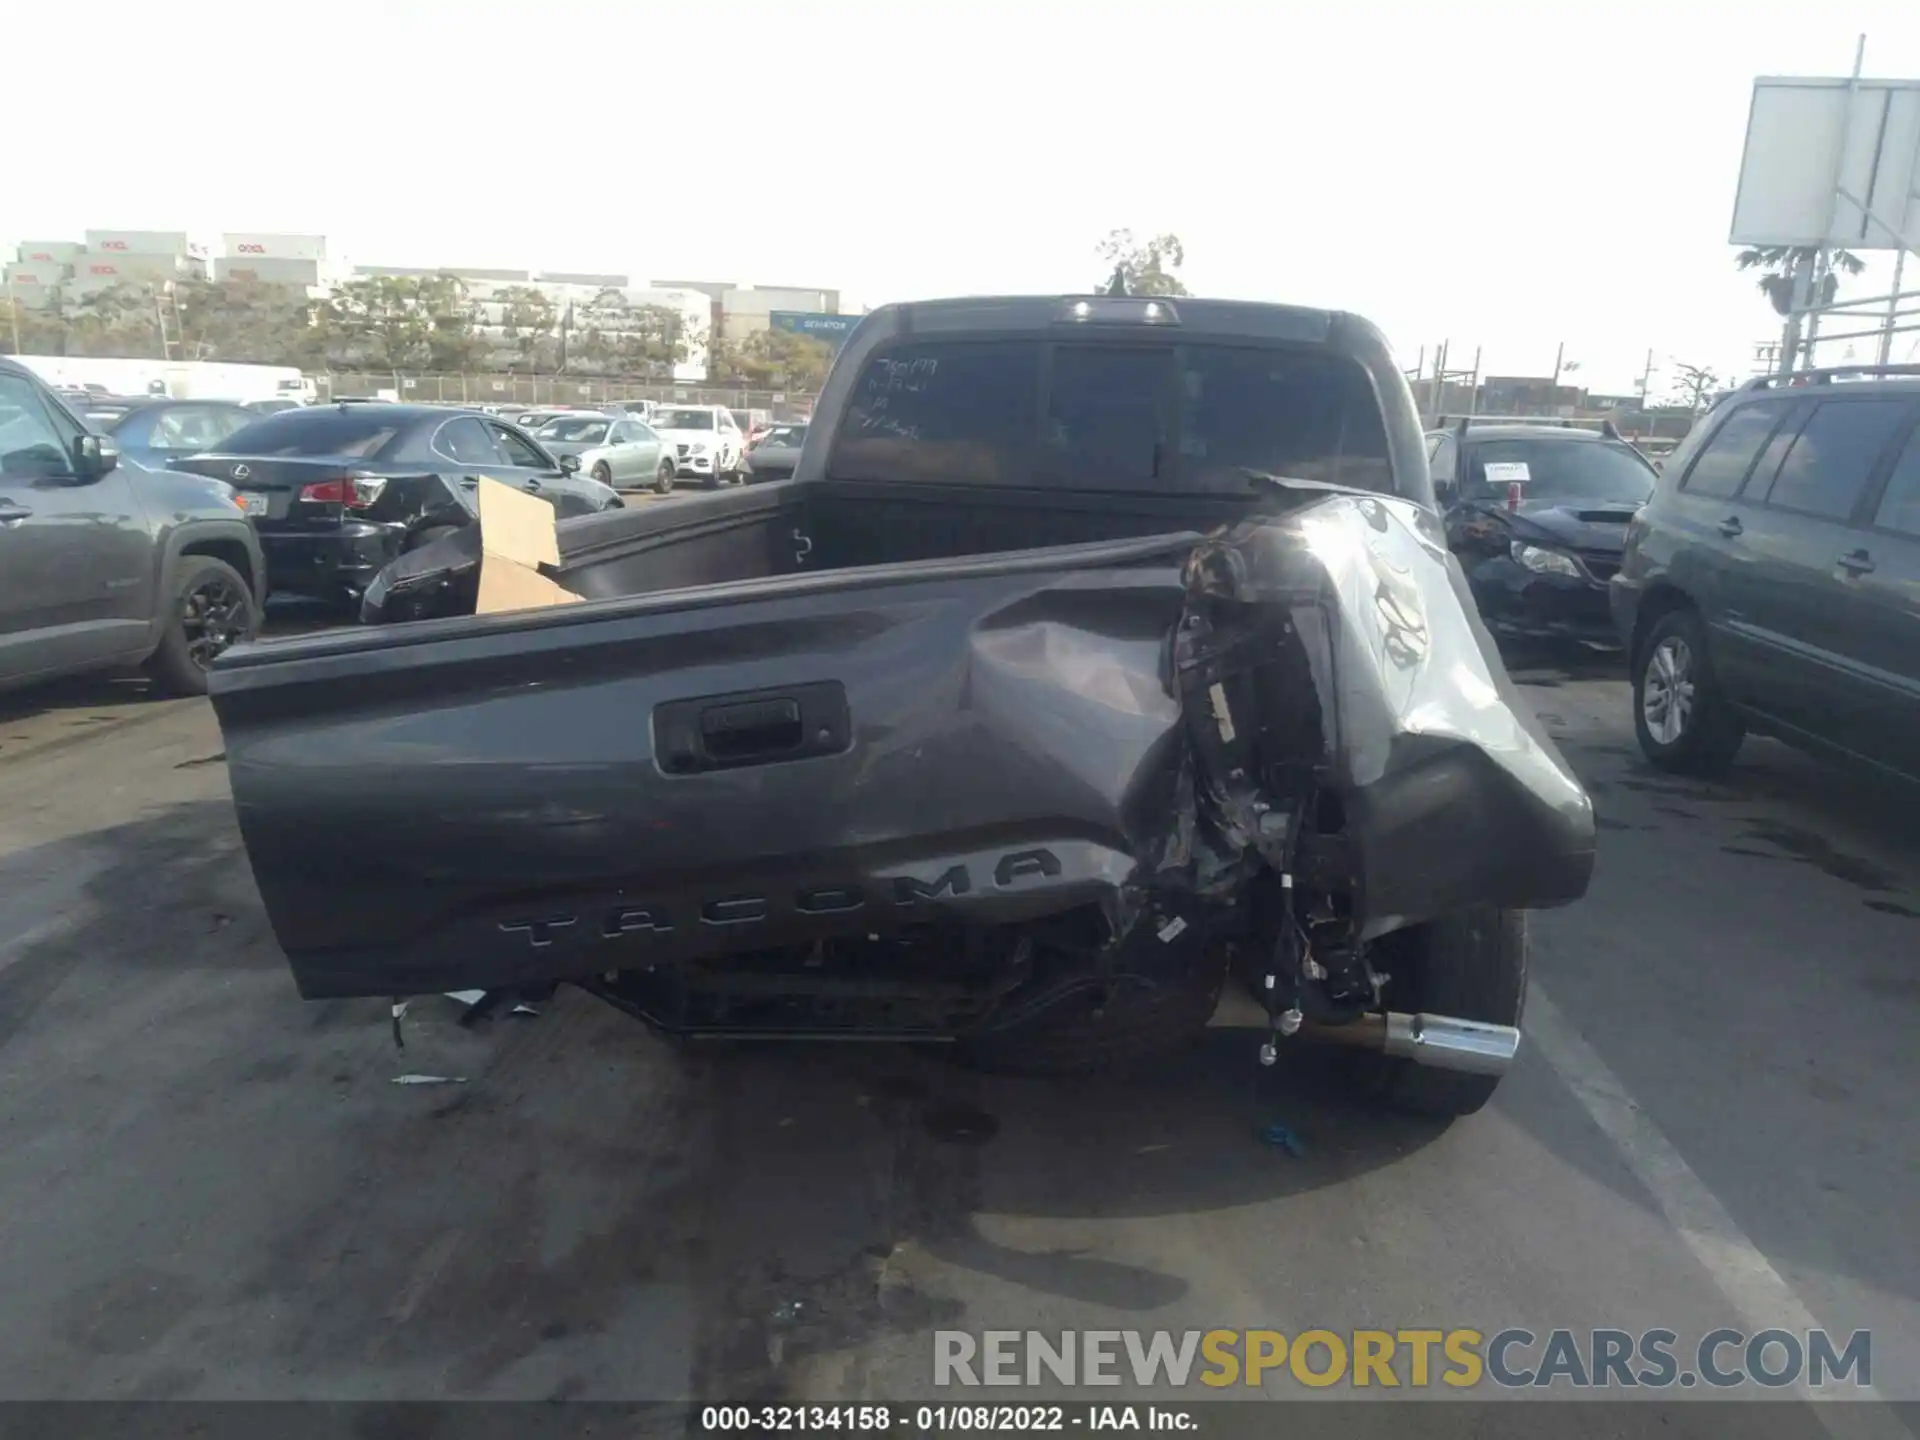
x: 93, y: 456
x: 569, y: 464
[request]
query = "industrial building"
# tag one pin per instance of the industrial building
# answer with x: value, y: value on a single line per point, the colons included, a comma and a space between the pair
x: 595, y: 302
x: 44, y: 272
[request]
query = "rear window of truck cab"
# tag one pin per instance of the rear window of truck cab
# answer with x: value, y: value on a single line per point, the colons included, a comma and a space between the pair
x: 1119, y: 416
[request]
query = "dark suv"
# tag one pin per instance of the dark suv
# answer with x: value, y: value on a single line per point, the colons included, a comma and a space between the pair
x: 1537, y: 511
x: 1773, y: 582
x: 104, y: 565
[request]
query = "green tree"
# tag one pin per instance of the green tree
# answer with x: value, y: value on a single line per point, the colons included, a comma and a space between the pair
x: 26, y: 330
x: 653, y: 342
x: 401, y: 322
x: 1147, y: 266
x: 246, y: 320
x: 1695, y: 386
x: 376, y: 321
x: 773, y: 360
x: 118, y: 321
x: 1778, y: 262
x: 529, y: 318
x: 601, y: 326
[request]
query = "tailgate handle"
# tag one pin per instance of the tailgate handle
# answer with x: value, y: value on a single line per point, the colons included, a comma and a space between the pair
x: 766, y: 727
x: 752, y: 729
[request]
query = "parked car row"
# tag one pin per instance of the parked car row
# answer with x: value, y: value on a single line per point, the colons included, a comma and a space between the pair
x: 105, y: 564
x: 338, y: 491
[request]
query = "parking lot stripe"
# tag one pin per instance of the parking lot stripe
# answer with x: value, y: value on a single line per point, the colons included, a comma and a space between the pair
x: 1758, y: 1293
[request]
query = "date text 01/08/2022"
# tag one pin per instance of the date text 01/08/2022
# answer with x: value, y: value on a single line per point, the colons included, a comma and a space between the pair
x: 944, y: 1419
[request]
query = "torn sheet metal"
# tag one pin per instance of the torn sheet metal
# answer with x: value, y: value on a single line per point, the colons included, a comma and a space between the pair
x: 484, y: 808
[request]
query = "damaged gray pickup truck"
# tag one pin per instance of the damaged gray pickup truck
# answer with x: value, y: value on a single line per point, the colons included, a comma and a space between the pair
x: 1101, y: 652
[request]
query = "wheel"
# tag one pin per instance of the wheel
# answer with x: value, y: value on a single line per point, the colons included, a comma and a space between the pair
x: 1683, y: 722
x: 1106, y: 1028
x: 602, y: 473
x: 1472, y: 965
x: 663, y: 478
x: 211, y: 609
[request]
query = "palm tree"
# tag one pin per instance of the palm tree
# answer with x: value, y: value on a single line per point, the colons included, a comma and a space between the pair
x: 1780, y: 261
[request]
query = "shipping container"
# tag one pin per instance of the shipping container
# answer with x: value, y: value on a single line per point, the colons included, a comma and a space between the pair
x: 274, y: 247
x: 50, y: 252
x: 138, y: 242
x: 268, y: 270
x: 28, y: 296
x: 27, y: 273
x: 131, y: 268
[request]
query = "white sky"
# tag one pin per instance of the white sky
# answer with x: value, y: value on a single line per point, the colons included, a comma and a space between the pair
x: 1509, y: 176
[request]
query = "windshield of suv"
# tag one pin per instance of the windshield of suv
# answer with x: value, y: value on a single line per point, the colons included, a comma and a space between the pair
x: 1598, y: 473
x: 574, y: 432
x: 682, y: 420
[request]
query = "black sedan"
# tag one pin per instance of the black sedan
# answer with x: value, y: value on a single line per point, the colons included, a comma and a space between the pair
x: 1538, y: 515
x: 774, y: 454
x: 337, y: 491
x: 151, y: 434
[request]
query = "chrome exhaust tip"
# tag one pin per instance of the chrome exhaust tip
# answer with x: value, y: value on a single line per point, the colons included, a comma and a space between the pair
x: 1440, y: 1042
x: 1446, y: 1042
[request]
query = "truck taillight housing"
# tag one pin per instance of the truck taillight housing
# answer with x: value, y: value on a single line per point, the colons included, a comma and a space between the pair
x: 356, y: 492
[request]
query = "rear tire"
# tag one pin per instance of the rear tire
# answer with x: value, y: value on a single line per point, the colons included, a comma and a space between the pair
x: 1680, y: 717
x: 1127, y: 1024
x: 211, y: 608
x: 664, y: 477
x: 1472, y: 965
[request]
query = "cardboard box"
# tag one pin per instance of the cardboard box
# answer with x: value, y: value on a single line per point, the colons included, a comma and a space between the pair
x: 517, y: 538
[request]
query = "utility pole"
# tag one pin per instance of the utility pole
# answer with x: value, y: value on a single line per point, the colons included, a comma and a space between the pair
x: 1559, y: 359
x: 1886, y: 335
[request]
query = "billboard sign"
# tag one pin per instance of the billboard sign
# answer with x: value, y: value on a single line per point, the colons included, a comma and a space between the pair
x: 833, y: 329
x: 1830, y: 163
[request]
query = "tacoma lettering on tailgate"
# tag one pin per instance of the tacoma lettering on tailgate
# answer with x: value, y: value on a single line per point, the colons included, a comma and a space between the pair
x: 903, y: 890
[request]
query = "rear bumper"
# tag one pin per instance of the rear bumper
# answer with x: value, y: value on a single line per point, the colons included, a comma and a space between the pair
x: 1517, y: 603
x: 330, y: 564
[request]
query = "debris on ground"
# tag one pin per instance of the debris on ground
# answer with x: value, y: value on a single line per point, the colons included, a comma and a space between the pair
x: 429, y: 1079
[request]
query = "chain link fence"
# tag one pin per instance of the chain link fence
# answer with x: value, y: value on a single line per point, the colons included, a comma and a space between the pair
x: 537, y: 390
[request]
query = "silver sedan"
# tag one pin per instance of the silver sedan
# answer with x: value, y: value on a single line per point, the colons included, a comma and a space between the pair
x: 615, y: 450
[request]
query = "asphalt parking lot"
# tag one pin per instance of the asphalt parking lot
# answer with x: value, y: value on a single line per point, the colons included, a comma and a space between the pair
x: 210, y: 1188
